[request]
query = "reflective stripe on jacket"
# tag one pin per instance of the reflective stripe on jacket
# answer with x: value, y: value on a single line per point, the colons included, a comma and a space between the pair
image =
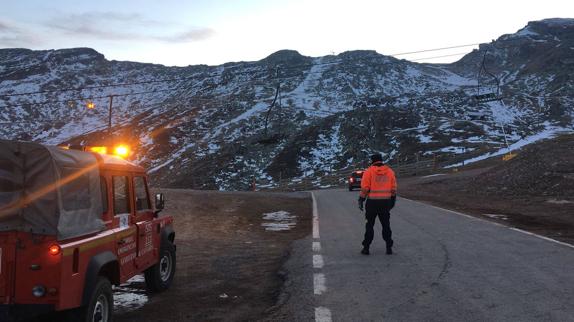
x: 378, y: 182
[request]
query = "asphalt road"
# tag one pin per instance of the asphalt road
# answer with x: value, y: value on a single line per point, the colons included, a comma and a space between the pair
x: 446, y: 267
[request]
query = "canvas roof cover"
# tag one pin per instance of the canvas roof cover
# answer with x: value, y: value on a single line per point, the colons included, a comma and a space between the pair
x: 48, y: 190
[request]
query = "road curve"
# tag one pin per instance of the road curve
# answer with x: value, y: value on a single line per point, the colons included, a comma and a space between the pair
x: 446, y: 267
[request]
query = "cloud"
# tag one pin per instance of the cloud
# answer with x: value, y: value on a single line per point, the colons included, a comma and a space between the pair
x: 195, y: 34
x: 7, y: 28
x: 13, y: 36
x: 123, y: 27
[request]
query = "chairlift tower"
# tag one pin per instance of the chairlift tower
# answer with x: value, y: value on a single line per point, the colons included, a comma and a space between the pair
x: 490, y: 96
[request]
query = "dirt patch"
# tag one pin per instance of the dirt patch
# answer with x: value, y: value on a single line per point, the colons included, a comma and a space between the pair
x: 229, y: 261
x: 534, y: 191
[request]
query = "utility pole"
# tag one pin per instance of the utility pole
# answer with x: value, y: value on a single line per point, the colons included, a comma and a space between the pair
x: 110, y: 115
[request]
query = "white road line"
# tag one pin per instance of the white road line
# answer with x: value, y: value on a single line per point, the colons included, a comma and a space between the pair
x: 319, y: 286
x: 318, y: 261
x: 494, y: 223
x: 322, y: 314
x: 316, y: 246
x: 451, y: 211
x: 315, y: 218
x: 542, y: 237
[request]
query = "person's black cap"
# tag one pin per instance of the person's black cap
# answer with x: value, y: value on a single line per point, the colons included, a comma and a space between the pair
x: 376, y: 158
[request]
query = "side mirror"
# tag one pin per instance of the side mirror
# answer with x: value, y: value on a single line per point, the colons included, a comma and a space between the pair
x: 159, y: 202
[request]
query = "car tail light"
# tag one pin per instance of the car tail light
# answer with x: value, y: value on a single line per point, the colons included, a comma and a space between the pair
x: 351, y: 180
x: 54, y: 250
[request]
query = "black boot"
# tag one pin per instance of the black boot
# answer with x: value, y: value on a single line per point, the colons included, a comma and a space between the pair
x: 389, y: 250
x: 365, y: 251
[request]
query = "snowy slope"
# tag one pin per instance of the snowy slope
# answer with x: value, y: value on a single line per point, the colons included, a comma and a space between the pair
x: 204, y: 127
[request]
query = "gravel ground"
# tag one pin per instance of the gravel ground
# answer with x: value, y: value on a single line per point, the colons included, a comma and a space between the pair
x: 230, y: 250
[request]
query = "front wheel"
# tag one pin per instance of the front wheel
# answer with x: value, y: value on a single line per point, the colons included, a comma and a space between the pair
x: 158, y: 278
x: 99, y: 308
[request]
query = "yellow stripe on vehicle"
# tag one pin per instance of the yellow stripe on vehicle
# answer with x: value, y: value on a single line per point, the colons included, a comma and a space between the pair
x: 69, y: 250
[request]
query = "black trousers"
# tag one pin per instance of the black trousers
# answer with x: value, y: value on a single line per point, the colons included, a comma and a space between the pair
x: 373, y: 209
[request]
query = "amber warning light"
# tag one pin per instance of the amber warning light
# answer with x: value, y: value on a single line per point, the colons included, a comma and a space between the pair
x: 122, y: 151
x: 99, y: 149
x: 54, y: 250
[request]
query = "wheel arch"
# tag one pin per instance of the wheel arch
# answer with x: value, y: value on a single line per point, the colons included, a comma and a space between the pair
x: 103, y: 264
x: 168, y: 234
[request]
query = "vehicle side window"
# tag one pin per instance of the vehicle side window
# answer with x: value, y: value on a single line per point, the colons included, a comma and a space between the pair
x: 121, y: 195
x: 104, y: 189
x: 76, y: 191
x: 142, y: 201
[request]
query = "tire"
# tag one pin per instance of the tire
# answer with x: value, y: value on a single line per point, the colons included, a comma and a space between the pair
x: 350, y: 188
x: 100, y: 306
x: 158, y: 278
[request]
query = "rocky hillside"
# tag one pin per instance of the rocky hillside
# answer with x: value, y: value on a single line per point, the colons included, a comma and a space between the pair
x: 545, y: 170
x: 289, y: 116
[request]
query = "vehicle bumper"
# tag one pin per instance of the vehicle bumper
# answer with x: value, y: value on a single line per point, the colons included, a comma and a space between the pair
x: 18, y: 312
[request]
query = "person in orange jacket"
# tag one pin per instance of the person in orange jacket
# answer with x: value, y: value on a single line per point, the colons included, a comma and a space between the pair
x: 379, y: 189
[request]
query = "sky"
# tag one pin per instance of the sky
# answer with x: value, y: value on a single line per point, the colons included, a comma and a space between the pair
x: 181, y: 33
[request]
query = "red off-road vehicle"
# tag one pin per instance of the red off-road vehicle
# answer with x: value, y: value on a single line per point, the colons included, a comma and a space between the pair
x: 72, y: 224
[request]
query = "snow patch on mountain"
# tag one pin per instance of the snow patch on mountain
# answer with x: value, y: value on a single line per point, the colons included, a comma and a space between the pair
x: 324, y: 155
x: 549, y: 132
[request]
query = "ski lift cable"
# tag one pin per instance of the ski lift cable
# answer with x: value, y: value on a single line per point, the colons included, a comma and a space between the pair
x: 56, y: 119
x: 436, y: 57
x: 88, y: 98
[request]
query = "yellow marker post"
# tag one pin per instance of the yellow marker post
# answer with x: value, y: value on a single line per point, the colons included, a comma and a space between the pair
x: 508, y: 156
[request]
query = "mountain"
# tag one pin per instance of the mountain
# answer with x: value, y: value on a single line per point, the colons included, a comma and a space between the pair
x: 212, y: 126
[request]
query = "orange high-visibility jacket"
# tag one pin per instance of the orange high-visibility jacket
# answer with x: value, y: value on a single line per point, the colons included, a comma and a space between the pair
x: 378, y: 182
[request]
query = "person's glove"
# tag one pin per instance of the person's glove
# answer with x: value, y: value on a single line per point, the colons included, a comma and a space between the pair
x: 361, y: 202
x: 393, y: 201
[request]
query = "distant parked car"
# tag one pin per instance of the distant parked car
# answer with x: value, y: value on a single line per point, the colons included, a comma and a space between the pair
x: 355, y: 179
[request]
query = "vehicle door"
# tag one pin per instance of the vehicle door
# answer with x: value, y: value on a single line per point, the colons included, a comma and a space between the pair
x: 126, y: 236
x: 147, y: 233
